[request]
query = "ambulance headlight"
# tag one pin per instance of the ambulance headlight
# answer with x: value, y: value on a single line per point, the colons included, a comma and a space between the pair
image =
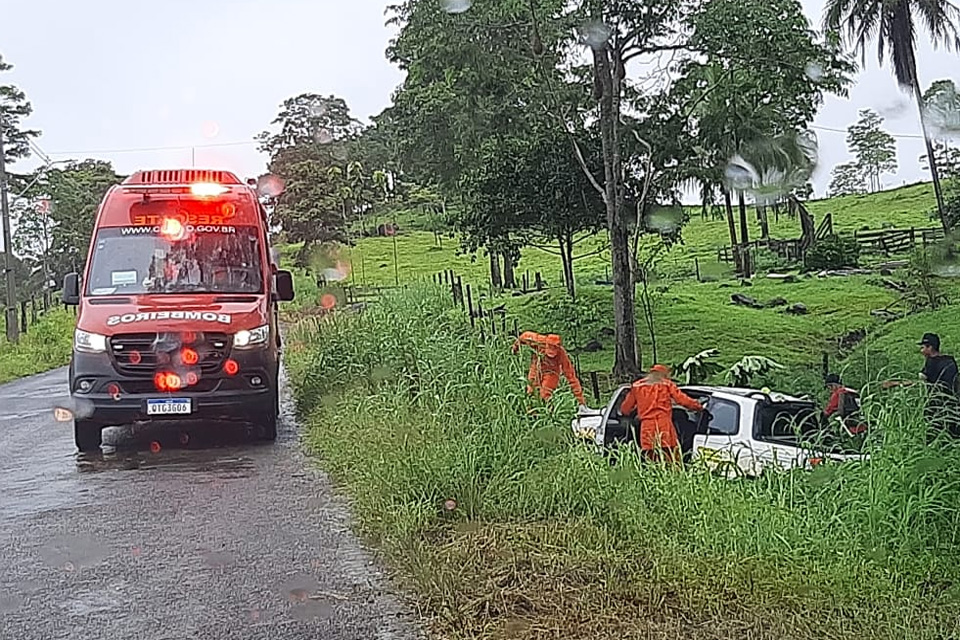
x: 87, y: 342
x: 252, y: 338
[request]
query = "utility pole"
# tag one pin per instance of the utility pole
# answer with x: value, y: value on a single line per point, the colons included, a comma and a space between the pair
x: 13, y: 326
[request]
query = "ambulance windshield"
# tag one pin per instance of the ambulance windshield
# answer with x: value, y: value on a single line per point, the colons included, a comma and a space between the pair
x: 147, y: 260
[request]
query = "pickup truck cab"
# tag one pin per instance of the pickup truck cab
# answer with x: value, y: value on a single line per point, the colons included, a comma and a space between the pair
x: 177, y: 307
x: 742, y: 433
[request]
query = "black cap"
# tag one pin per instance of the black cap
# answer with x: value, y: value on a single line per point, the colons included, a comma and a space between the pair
x: 930, y: 340
x: 832, y: 378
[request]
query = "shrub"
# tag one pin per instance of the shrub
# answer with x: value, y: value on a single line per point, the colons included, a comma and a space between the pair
x: 833, y: 252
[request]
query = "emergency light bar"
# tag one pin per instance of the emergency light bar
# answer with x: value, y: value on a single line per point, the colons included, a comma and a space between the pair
x: 181, y: 177
x: 208, y: 189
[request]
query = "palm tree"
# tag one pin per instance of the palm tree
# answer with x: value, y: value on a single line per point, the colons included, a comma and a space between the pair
x: 895, y: 24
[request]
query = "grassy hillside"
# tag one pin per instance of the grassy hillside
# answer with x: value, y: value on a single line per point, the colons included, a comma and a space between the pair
x: 689, y: 316
x: 420, y: 256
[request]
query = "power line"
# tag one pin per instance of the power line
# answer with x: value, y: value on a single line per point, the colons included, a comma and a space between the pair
x: 913, y: 136
x: 145, y: 149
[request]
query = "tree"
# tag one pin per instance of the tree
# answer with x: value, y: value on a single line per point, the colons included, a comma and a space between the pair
x: 947, y: 159
x: 847, y: 179
x: 470, y: 78
x: 874, y: 148
x: 750, y: 110
x: 310, y: 157
x: 14, y: 107
x: 33, y: 233
x: 75, y: 193
x: 895, y: 26
x: 531, y: 191
x: 309, y: 122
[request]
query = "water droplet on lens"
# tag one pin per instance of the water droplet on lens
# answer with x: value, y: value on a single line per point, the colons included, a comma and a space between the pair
x: 323, y: 136
x: 942, y: 114
x: 270, y: 186
x: 814, y: 71
x: 766, y: 169
x: 210, y: 129
x: 595, y: 34
x: 318, y: 109
x: 455, y: 6
x: 664, y: 220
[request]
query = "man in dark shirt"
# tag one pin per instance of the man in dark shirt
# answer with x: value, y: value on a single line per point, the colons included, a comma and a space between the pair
x: 940, y: 374
x: 940, y: 370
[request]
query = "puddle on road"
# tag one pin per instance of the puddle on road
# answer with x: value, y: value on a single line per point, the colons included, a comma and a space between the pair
x: 219, y: 464
x: 74, y: 552
x: 220, y: 453
x: 85, y: 603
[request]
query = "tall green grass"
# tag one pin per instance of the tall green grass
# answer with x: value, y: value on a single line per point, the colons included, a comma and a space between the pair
x: 46, y: 345
x: 506, y: 527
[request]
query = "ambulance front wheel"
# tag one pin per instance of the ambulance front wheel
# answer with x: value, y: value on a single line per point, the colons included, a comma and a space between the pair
x: 270, y: 418
x: 87, y: 435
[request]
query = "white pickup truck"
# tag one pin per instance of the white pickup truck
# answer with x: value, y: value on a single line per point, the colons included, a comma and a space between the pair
x: 742, y: 432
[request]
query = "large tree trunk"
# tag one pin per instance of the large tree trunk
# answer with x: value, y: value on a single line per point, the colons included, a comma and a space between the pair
x: 744, y: 239
x: 764, y: 222
x: 608, y: 74
x: 509, y: 281
x: 931, y: 157
x: 732, y: 226
x: 495, y: 280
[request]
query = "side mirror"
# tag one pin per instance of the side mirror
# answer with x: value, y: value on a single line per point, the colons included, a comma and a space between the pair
x: 71, y: 289
x: 284, y: 292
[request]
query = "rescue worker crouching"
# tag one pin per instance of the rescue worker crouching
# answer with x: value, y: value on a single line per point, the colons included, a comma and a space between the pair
x: 844, y: 405
x: 653, y: 397
x: 547, y: 363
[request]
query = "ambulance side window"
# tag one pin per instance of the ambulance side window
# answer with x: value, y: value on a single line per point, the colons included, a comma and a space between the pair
x: 724, y: 418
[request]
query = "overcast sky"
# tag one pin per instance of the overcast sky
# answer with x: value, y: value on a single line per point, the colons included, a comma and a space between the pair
x: 104, y: 76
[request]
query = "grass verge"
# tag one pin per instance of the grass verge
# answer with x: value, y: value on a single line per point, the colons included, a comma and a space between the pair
x: 45, y: 346
x: 504, y: 527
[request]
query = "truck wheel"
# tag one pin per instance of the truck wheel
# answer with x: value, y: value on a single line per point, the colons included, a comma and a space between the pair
x: 269, y: 419
x: 87, y: 435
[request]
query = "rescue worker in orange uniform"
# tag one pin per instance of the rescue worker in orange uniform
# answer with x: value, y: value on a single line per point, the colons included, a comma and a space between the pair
x: 653, y: 397
x: 548, y: 362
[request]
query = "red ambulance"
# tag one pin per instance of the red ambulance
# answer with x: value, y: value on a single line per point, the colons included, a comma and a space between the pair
x: 177, y: 315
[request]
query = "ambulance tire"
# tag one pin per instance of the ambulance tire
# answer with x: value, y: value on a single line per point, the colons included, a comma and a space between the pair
x: 87, y: 435
x: 269, y: 420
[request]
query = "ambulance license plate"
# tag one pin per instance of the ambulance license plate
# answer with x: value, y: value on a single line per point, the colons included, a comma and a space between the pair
x: 169, y: 407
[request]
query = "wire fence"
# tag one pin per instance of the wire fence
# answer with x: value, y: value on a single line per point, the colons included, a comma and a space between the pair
x: 31, y: 310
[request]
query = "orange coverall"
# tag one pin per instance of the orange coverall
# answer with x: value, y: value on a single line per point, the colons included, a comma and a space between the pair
x: 653, y: 401
x: 548, y: 362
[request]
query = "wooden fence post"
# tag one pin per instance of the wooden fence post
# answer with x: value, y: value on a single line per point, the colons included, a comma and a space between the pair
x: 696, y: 265
x: 516, y: 329
x: 826, y: 364
x: 33, y: 310
x: 470, y: 305
x: 23, y: 317
x: 539, y: 281
x: 595, y: 385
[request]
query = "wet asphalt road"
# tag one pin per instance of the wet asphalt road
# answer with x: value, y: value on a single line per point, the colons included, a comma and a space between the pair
x: 238, y: 540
